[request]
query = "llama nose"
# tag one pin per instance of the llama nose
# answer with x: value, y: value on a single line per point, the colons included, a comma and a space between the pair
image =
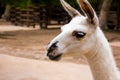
x: 52, y: 48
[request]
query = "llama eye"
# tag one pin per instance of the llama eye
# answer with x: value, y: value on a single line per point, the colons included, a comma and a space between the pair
x: 78, y: 34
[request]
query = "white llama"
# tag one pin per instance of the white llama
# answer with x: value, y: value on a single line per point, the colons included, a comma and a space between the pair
x: 83, y: 35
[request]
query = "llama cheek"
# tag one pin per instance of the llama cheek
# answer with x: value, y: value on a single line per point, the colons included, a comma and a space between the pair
x: 69, y: 50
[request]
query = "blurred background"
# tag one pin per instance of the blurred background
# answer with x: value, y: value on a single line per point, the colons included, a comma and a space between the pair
x: 48, y: 12
x: 26, y: 26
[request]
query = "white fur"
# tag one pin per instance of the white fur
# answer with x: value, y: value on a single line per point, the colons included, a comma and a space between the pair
x: 101, y: 59
x: 94, y: 46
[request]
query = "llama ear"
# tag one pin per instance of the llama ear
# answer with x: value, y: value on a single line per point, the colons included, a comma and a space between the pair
x: 71, y: 11
x: 88, y: 11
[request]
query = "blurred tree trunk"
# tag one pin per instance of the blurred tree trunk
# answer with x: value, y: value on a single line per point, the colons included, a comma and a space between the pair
x: 118, y: 14
x: 104, y: 12
x: 6, y: 13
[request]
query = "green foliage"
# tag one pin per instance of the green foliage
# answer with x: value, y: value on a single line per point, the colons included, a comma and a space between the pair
x: 16, y: 3
x: 45, y: 2
x: 22, y: 3
x: 49, y: 3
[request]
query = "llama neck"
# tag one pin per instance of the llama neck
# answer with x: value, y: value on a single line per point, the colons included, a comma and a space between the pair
x: 102, y: 63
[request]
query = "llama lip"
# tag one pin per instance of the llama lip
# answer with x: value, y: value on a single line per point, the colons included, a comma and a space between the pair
x: 55, y: 58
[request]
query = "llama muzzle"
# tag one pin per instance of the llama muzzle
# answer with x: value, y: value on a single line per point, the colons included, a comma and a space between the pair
x: 52, y: 52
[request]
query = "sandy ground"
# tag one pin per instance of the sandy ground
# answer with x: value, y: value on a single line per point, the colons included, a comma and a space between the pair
x: 31, y: 43
x: 14, y: 68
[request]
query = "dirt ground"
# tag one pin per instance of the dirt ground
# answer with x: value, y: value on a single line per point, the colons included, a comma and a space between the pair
x: 33, y: 43
x: 17, y: 68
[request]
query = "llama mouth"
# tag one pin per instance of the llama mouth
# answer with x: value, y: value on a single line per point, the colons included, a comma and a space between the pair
x: 55, y: 58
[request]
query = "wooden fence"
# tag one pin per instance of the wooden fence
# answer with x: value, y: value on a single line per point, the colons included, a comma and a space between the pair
x: 45, y: 16
x: 38, y: 15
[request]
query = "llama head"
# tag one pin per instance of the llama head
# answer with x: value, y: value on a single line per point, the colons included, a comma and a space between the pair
x: 78, y: 36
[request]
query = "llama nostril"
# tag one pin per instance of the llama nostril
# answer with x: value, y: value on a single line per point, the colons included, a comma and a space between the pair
x: 54, y: 45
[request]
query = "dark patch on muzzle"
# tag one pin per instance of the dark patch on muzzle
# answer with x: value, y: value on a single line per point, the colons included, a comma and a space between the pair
x: 52, y: 52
